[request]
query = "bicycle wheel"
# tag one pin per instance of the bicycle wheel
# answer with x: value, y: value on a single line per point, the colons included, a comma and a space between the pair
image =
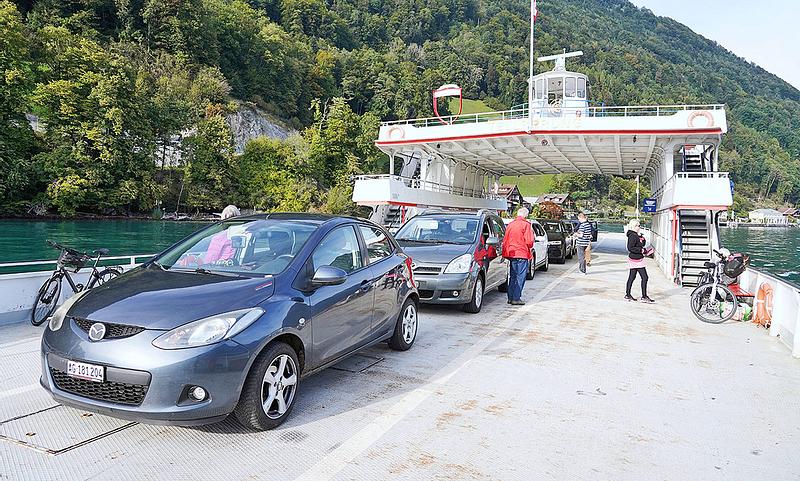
x: 46, y: 301
x: 102, y: 277
x: 713, y: 306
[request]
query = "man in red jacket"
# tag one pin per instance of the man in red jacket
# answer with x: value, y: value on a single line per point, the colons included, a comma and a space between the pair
x: 517, y: 246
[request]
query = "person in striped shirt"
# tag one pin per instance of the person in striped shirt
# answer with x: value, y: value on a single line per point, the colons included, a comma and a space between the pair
x: 584, y: 240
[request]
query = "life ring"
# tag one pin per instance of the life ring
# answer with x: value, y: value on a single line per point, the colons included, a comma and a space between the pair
x: 396, y: 133
x: 578, y: 113
x: 700, y: 113
x: 763, y: 305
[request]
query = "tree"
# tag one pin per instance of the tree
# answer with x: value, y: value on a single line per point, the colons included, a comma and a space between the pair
x: 17, y: 142
x: 278, y: 175
x: 213, y: 172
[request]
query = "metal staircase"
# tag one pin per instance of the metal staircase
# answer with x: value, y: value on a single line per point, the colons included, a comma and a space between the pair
x: 695, y: 245
x: 692, y: 162
x: 390, y: 216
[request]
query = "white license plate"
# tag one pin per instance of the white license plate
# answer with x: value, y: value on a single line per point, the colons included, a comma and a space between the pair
x: 90, y: 372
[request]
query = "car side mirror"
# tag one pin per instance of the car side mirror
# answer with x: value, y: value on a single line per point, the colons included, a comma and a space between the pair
x: 328, y: 276
x: 493, y: 241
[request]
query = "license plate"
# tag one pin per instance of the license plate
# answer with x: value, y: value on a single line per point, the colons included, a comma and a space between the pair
x: 90, y: 372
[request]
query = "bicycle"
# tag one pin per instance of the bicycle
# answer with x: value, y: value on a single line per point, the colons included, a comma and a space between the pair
x: 713, y: 301
x: 69, y: 260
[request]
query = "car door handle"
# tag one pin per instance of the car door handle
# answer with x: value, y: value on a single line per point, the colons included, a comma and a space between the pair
x: 367, y: 285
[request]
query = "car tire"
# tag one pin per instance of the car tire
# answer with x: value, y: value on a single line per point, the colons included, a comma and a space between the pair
x: 475, y: 304
x: 405, y: 330
x: 250, y: 411
x: 546, y: 264
x: 531, y: 269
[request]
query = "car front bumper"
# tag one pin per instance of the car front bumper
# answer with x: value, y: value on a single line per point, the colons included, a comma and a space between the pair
x: 142, y: 382
x: 439, y: 289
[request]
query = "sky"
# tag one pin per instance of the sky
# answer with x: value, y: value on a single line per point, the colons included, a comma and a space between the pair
x: 762, y: 31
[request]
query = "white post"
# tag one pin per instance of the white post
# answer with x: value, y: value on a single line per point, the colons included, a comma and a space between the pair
x: 637, y: 197
x: 530, y: 69
x: 796, y: 341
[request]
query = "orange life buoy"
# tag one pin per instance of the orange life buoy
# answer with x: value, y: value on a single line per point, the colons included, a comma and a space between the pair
x: 396, y: 133
x: 763, y: 305
x: 700, y: 113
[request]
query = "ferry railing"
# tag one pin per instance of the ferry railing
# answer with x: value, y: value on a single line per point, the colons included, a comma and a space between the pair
x: 20, y: 282
x: 129, y: 261
x: 785, y: 323
x: 538, y: 112
x: 429, y: 186
x: 688, y: 175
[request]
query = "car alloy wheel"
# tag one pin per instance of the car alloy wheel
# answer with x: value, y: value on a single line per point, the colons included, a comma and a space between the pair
x: 268, y: 393
x: 405, y: 329
x: 478, y: 293
x: 278, y: 389
x: 409, y: 323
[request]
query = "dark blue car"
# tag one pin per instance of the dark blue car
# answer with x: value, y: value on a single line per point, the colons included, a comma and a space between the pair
x: 230, y: 319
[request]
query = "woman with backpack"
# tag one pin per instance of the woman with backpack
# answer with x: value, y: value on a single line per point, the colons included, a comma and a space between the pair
x: 636, y: 264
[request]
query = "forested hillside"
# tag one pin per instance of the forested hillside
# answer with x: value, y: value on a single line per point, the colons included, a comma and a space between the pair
x: 114, y: 83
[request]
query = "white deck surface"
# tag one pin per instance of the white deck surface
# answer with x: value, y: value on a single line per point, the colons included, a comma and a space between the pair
x: 577, y: 384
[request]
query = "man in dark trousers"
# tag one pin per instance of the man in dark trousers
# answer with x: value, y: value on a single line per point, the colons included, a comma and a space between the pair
x: 584, y: 240
x: 517, y: 246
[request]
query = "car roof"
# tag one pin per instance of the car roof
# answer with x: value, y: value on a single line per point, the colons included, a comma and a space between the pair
x: 452, y: 213
x: 307, y: 217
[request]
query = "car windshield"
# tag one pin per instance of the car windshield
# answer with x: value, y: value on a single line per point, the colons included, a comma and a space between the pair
x: 552, y: 227
x: 240, y: 246
x: 445, y: 229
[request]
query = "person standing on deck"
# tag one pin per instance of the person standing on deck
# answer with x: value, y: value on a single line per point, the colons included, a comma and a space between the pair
x: 584, y: 240
x: 220, y: 247
x: 517, y: 247
x: 636, y: 265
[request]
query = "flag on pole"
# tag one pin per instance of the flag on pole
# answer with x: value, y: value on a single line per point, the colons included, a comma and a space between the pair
x: 534, y: 10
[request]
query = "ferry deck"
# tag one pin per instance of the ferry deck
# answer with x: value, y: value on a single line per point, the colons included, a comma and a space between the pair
x: 577, y: 384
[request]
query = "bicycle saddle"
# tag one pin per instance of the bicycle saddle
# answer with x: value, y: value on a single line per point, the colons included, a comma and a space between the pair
x: 709, y: 265
x: 102, y: 251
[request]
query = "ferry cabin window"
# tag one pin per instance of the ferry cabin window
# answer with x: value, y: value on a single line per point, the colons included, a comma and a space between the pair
x: 540, y: 89
x: 555, y: 89
x: 581, y: 88
x: 569, y: 87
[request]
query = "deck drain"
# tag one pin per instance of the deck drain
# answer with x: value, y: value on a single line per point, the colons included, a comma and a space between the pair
x: 59, y: 429
x: 357, y: 363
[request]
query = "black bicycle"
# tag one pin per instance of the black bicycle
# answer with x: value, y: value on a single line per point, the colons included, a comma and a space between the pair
x: 69, y: 260
x: 712, y: 300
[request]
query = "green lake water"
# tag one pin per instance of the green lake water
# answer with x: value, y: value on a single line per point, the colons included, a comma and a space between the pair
x: 775, y: 250
x: 24, y: 240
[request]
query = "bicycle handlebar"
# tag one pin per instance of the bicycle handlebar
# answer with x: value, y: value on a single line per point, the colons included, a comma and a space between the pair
x: 74, y: 252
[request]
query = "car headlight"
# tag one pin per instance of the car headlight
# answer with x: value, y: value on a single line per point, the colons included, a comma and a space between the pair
x: 459, y: 265
x: 208, y: 330
x: 57, y: 319
x: 554, y: 243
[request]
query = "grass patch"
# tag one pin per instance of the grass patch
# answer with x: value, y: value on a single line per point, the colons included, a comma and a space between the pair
x: 530, y: 184
x: 469, y: 107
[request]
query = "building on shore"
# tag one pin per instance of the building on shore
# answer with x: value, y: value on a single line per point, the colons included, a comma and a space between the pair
x: 767, y: 216
x: 510, y: 192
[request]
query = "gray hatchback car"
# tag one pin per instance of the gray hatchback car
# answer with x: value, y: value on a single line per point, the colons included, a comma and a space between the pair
x: 230, y: 319
x: 456, y: 256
